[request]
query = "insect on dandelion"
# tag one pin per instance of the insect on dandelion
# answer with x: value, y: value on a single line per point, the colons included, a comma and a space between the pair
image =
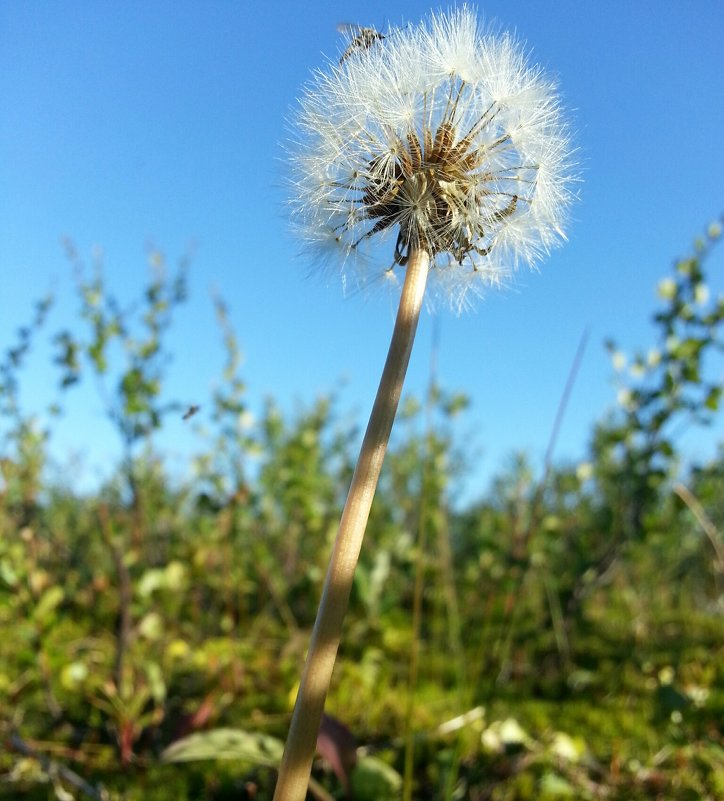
x: 360, y: 38
x: 432, y: 151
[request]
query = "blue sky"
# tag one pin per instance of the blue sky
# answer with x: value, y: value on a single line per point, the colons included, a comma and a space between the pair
x: 124, y: 123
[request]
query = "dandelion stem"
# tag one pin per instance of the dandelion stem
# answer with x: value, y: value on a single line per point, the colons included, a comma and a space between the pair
x: 299, y: 751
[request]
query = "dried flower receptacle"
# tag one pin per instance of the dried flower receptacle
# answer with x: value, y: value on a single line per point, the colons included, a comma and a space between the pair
x: 439, y: 194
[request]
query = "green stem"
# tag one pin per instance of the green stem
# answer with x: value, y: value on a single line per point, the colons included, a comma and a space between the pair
x: 301, y: 742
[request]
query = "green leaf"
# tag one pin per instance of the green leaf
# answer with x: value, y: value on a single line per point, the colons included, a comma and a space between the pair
x: 48, y: 603
x: 156, y: 682
x: 254, y: 747
x: 374, y: 780
x: 73, y: 675
x: 712, y: 399
x: 554, y: 786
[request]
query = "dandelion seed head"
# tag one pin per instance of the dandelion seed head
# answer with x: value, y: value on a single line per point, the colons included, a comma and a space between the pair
x: 625, y: 399
x: 584, y: 471
x: 666, y: 289
x: 653, y: 358
x: 637, y: 370
x: 437, y: 137
x: 619, y: 361
x: 701, y: 294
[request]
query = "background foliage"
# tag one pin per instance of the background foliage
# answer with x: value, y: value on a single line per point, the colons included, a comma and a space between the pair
x: 559, y: 638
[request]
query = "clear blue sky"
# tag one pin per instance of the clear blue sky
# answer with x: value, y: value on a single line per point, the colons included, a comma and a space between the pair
x: 128, y: 122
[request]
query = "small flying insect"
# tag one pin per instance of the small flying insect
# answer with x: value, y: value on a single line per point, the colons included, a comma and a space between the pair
x: 190, y: 412
x: 362, y: 38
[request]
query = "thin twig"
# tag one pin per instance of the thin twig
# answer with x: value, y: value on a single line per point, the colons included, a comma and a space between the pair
x: 125, y: 595
x: 563, y: 404
x: 54, y: 768
x: 510, y: 618
x: 688, y: 497
x: 420, y: 551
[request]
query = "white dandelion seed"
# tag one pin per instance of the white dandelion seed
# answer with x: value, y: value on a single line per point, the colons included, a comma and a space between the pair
x: 438, y: 137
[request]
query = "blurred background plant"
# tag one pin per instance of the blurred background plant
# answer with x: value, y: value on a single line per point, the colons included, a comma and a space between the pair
x: 568, y: 636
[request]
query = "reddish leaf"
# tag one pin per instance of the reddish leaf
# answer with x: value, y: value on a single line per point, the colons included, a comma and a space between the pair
x: 337, y: 744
